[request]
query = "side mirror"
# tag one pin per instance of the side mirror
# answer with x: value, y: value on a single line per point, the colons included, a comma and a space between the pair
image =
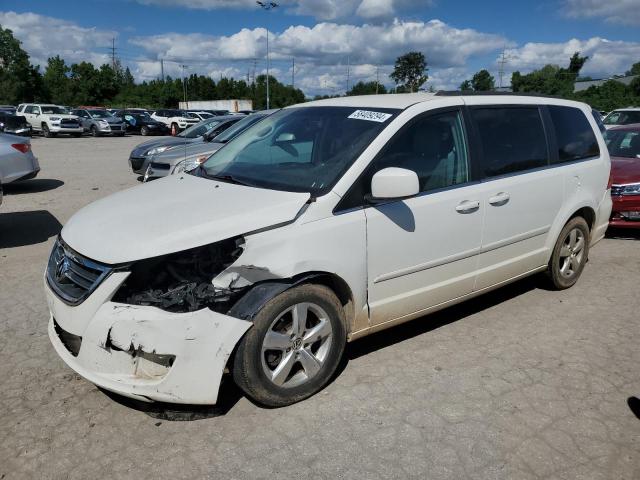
x: 394, y: 183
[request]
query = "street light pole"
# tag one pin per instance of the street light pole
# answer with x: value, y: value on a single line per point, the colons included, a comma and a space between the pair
x: 267, y: 6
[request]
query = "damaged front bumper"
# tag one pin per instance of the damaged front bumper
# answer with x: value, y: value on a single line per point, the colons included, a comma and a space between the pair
x: 144, y: 352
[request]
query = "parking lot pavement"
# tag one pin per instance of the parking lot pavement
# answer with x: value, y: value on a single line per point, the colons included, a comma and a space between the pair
x: 520, y: 383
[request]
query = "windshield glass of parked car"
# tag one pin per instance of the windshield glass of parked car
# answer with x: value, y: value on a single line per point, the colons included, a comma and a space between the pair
x: 199, y: 129
x: 623, y: 143
x: 52, y: 109
x: 99, y: 114
x: 243, y: 124
x: 622, y: 117
x: 305, y: 149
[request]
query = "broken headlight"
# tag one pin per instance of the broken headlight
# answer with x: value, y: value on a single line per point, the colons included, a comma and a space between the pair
x: 181, y: 282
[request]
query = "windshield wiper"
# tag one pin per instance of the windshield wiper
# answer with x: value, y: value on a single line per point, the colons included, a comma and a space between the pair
x: 223, y: 178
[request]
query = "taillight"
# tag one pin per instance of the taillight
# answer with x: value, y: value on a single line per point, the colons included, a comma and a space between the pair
x: 21, y: 147
x: 610, y: 184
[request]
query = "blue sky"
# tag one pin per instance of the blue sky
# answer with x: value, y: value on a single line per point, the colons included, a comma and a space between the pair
x: 221, y: 37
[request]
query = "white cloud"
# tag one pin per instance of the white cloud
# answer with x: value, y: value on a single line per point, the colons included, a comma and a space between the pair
x: 613, y: 11
x: 43, y: 37
x: 320, y: 9
x: 606, y: 57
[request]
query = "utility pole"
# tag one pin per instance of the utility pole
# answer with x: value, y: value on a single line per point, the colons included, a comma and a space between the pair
x: 503, y: 60
x: 293, y: 72
x: 348, y: 70
x: 113, y: 53
x: 162, y: 69
x: 267, y: 6
x: 377, y: 78
x: 184, y: 87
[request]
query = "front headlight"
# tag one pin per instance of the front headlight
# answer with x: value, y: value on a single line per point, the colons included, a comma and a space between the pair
x: 190, y: 164
x: 155, y: 151
x: 103, y: 123
x: 54, y: 119
x: 630, y: 189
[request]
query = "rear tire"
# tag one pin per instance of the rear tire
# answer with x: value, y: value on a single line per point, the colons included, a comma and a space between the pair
x: 294, y: 347
x: 570, y: 254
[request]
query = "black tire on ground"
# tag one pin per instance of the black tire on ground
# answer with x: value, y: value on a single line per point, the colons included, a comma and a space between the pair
x: 250, y: 359
x: 144, y: 131
x: 46, y: 132
x: 570, y: 254
x: 94, y: 131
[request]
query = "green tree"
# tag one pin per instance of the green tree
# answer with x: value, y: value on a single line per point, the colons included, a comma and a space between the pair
x: 482, y: 81
x: 410, y: 71
x: 634, y: 70
x: 466, y: 86
x: 19, y: 80
x: 56, y: 81
x: 551, y: 79
x: 367, y: 88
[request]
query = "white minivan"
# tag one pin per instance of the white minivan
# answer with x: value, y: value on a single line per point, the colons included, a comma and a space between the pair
x: 323, y: 223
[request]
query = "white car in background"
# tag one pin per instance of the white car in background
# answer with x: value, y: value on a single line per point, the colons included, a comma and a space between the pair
x: 50, y: 120
x: 176, y: 120
x: 17, y: 161
x: 323, y: 223
x: 622, y: 116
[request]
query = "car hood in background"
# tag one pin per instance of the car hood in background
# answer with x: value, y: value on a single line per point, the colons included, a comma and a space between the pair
x: 144, y: 147
x: 625, y: 170
x: 174, y: 214
x: 176, y: 155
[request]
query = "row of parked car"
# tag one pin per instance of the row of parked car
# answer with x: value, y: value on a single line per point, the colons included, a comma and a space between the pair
x: 52, y: 120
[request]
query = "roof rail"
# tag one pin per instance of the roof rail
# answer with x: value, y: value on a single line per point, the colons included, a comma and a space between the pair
x: 472, y: 93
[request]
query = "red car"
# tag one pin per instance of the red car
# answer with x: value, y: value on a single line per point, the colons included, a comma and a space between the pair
x: 624, y: 148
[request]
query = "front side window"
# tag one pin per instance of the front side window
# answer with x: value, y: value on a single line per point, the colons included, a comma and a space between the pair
x: 199, y: 129
x: 29, y: 109
x: 49, y: 109
x: 305, y: 149
x: 574, y: 135
x: 623, y: 143
x: 434, y: 147
x: 512, y: 139
x: 99, y: 114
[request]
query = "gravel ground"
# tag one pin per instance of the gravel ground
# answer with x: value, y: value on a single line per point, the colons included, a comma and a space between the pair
x: 520, y: 383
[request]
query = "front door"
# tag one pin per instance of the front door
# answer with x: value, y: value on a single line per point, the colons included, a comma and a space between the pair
x: 422, y: 251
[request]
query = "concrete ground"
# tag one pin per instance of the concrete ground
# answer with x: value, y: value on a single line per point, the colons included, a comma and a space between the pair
x: 523, y: 383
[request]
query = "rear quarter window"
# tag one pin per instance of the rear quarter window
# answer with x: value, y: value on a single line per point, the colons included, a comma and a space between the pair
x: 574, y: 136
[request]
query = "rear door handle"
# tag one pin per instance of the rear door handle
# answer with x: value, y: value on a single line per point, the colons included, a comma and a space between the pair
x: 468, y: 206
x: 499, y: 199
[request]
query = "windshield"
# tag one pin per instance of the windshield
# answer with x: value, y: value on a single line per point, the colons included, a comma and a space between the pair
x: 141, y: 116
x: 53, y: 109
x: 199, y: 129
x: 305, y: 149
x: 99, y: 114
x: 239, y: 127
x: 622, y: 117
x: 623, y: 143
x: 203, y: 115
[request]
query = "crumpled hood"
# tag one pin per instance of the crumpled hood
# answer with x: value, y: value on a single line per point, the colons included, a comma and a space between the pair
x: 174, y: 214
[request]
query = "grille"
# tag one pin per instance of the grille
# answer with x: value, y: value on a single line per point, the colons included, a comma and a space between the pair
x: 70, y: 341
x: 616, y: 190
x: 68, y: 122
x: 72, y: 277
x: 136, y: 162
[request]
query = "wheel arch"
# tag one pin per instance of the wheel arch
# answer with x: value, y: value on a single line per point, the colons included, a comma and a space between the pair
x: 259, y: 294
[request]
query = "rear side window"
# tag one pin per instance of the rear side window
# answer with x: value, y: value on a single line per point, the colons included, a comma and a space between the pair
x: 574, y: 135
x: 512, y: 138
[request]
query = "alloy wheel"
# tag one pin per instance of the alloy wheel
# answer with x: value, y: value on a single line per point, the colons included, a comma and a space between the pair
x: 572, y: 253
x: 296, y: 345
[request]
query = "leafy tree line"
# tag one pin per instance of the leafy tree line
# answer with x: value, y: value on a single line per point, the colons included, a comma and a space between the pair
x: 84, y: 84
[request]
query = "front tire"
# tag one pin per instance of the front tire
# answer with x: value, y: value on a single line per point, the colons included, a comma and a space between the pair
x: 94, y: 131
x: 570, y: 254
x: 46, y: 132
x: 294, y: 347
x: 144, y: 131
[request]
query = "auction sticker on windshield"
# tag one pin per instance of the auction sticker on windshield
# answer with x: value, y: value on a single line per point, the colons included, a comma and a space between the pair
x: 371, y: 116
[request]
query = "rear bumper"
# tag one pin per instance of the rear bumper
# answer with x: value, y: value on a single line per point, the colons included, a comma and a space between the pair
x: 22, y: 132
x: 56, y: 129
x: 144, y: 352
x: 622, y: 207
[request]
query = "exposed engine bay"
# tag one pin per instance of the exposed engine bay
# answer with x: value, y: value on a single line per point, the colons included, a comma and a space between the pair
x: 181, y: 282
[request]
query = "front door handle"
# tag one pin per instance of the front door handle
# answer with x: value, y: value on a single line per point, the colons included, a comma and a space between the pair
x: 499, y: 199
x: 468, y: 206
